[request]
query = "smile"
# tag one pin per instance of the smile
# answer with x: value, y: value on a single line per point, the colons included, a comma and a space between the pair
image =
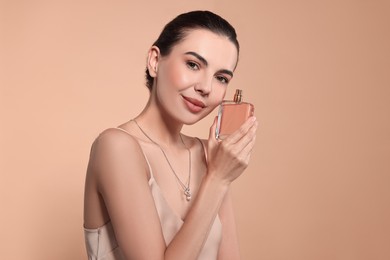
x: 194, y: 105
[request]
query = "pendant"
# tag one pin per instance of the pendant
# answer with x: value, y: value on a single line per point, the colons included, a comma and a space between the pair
x: 187, y: 192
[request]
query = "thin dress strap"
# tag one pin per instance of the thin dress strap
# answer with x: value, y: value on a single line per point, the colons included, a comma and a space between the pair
x: 146, y: 158
x: 204, y: 148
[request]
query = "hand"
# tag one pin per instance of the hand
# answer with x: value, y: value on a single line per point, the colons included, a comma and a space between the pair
x: 227, y: 159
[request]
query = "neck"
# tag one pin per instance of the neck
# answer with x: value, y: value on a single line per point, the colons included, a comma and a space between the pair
x: 161, y: 128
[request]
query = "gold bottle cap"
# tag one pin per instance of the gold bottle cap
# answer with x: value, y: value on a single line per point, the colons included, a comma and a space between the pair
x: 238, y: 96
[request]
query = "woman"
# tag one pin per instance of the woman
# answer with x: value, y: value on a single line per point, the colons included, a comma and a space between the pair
x: 152, y: 192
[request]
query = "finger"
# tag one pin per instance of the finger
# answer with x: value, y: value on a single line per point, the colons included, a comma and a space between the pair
x: 238, y: 134
x: 246, y: 143
x: 212, y: 138
x: 247, y: 138
x: 247, y: 150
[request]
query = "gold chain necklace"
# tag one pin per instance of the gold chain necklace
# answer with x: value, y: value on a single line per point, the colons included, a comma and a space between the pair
x: 187, y: 190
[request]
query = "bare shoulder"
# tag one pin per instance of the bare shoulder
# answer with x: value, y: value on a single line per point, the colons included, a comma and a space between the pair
x: 114, y: 139
x: 115, y: 151
x: 198, y: 144
x: 193, y: 141
x: 204, y: 142
x: 116, y: 135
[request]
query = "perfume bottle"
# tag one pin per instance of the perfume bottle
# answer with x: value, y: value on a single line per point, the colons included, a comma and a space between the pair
x: 232, y: 114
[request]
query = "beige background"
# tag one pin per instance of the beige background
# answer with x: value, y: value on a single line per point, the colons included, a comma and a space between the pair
x: 316, y: 71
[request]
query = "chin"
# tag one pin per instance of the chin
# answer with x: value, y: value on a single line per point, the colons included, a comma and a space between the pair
x: 193, y: 119
x: 190, y: 121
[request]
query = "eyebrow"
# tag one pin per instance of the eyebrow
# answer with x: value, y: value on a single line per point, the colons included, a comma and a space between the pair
x: 204, y: 61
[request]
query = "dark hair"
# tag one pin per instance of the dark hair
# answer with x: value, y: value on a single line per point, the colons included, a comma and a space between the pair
x: 176, y: 30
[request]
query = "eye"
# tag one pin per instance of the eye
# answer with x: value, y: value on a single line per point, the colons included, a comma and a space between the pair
x: 192, y: 65
x: 222, y: 79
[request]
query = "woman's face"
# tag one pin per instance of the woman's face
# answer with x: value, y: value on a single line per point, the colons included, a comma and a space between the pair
x: 192, y: 80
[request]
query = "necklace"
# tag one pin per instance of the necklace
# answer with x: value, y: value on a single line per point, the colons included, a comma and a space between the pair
x: 187, y: 190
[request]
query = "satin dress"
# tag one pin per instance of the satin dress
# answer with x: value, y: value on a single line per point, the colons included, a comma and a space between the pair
x: 101, y: 243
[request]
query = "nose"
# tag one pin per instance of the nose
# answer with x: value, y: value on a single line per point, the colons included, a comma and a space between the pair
x: 204, y: 87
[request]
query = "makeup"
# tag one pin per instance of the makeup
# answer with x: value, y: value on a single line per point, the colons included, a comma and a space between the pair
x: 232, y: 114
x: 194, y: 105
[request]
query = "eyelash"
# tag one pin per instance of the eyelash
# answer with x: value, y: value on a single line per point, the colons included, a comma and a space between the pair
x: 222, y: 79
x: 195, y: 66
x: 191, y: 65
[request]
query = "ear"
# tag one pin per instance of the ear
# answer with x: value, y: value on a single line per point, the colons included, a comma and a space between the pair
x: 153, y: 59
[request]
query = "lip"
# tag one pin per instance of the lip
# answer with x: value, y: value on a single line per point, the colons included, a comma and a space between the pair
x: 193, y: 104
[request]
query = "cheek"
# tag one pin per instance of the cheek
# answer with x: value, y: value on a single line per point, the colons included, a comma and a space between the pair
x: 217, y: 95
x: 178, y: 77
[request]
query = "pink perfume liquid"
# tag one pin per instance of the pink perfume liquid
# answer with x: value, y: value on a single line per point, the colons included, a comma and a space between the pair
x: 232, y: 114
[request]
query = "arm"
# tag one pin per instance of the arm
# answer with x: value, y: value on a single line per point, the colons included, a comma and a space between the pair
x: 229, y: 248
x: 122, y: 178
x: 121, y: 174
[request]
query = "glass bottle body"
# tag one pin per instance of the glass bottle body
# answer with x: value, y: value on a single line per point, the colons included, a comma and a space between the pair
x: 231, y: 115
